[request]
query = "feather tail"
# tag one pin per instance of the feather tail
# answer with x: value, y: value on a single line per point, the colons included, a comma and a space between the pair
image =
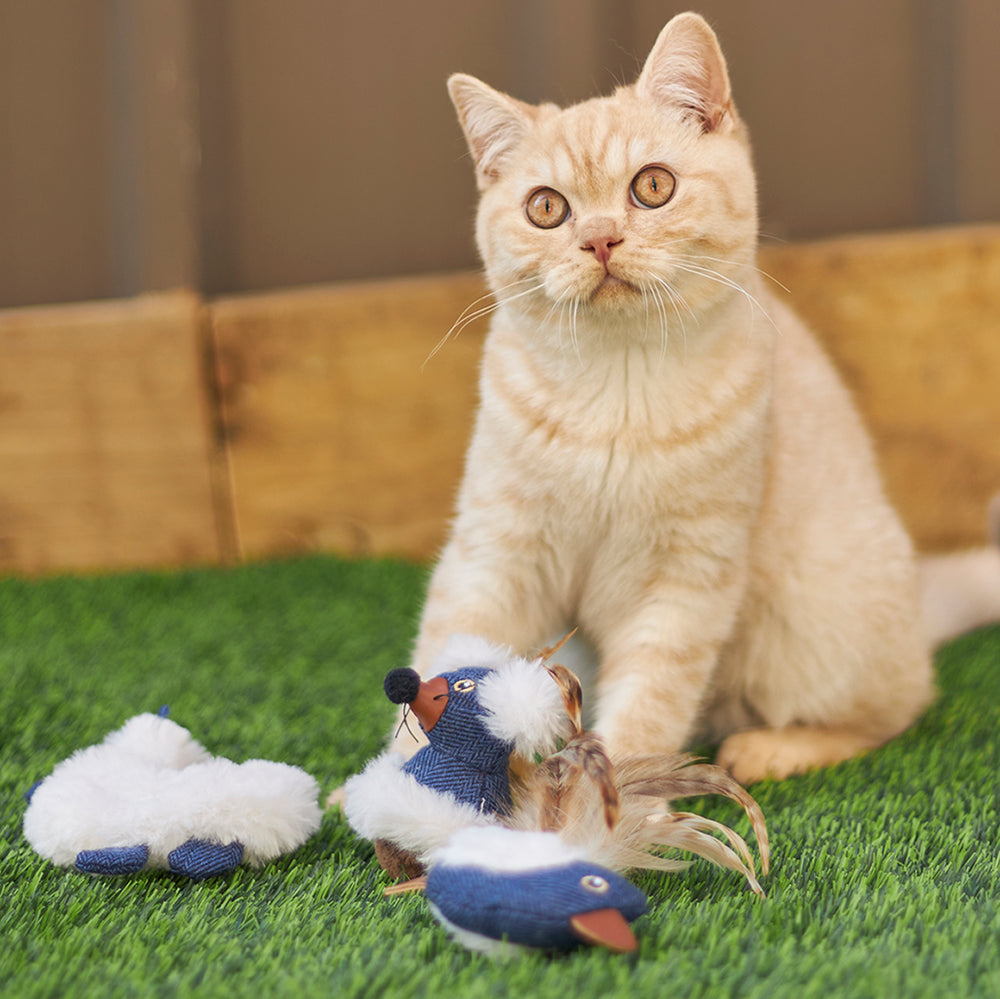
x: 548, y: 793
x: 684, y: 831
x: 680, y: 776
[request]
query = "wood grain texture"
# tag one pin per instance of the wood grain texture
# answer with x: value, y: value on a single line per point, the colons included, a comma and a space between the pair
x: 912, y: 320
x: 340, y: 436
x: 104, y: 437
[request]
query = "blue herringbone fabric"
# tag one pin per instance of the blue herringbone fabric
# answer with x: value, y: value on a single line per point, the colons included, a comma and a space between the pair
x: 200, y: 859
x: 463, y: 758
x: 532, y: 908
x: 113, y: 860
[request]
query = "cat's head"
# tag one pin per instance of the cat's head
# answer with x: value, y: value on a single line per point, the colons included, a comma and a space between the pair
x: 619, y: 205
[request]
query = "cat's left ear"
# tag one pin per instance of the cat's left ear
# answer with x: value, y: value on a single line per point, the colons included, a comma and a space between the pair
x: 686, y: 69
x: 493, y: 123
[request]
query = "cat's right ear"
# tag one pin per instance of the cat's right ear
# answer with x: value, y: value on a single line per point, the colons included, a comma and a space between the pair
x: 493, y: 123
x: 686, y: 69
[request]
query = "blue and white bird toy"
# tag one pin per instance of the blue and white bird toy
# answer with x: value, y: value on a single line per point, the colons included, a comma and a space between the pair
x: 484, y: 705
x: 502, y: 889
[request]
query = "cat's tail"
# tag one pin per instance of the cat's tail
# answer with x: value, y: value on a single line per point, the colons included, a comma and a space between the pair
x: 961, y: 591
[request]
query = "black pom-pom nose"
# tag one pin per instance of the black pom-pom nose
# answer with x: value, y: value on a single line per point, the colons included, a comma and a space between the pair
x: 402, y: 685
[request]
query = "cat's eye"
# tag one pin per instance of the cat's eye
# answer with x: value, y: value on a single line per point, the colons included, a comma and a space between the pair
x: 463, y: 686
x: 546, y: 208
x: 653, y: 186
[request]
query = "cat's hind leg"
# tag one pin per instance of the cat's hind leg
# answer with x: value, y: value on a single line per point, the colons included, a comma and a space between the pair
x: 756, y: 753
x: 819, y: 681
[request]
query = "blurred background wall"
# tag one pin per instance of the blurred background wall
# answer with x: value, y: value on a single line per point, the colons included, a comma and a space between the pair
x: 238, y: 145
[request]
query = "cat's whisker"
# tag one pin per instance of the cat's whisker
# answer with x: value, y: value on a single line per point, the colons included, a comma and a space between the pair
x: 572, y: 330
x: 470, y: 314
x: 647, y: 293
x: 664, y: 323
x: 714, y: 275
x: 676, y: 301
x: 760, y: 271
x: 561, y: 303
x: 645, y: 305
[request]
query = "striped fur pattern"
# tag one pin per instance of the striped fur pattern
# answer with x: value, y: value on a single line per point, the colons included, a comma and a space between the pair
x: 663, y: 456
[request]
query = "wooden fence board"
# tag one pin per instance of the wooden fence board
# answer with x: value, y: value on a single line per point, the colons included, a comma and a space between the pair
x: 104, y: 437
x: 912, y: 320
x: 340, y: 436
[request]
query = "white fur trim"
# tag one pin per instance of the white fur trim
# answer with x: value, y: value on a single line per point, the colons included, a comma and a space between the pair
x: 159, y: 741
x: 135, y: 788
x: 499, y: 849
x: 383, y: 802
x: 471, y: 650
x: 476, y: 941
x: 524, y: 706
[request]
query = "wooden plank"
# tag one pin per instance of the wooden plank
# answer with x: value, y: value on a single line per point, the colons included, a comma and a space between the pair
x: 104, y: 437
x: 912, y: 319
x: 341, y: 437
x: 55, y: 191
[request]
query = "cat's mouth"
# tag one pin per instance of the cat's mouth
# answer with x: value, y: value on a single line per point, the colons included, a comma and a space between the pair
x: 611, y: 287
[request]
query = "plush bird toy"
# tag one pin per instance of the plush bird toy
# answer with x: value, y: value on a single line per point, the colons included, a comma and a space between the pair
x: 493, y: 888
x: 150, y: 796
x: 484, y: 705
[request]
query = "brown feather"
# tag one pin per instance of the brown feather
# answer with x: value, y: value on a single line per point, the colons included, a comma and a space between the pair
x: 405, y: 887
x: 549, y: 791
x: 550, y: 650
x: 567, y: 681
x: 572, y: 693
x: 618, y: 811
x: 668, y: 777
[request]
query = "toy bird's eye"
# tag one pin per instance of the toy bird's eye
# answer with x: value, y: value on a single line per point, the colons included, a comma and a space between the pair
x: 463, y: 686
x: 594, y: 883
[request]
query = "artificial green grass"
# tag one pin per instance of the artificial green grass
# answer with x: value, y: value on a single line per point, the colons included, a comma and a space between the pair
x: 886, y: 873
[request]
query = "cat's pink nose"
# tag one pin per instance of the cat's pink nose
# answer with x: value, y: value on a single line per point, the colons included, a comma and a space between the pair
x: 601, y: 247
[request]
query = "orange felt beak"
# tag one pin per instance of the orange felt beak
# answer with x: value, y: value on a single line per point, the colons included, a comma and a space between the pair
x: 605, y: 928
x: 430, y: 702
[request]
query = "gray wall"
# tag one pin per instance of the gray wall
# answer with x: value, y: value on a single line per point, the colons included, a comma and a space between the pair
x: 232, y: 145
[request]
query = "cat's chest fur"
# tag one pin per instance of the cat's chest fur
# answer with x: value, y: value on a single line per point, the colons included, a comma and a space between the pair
x: 627, y: 435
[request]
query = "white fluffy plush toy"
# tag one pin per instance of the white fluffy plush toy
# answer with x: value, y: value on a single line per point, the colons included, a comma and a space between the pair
x: 150, y: 796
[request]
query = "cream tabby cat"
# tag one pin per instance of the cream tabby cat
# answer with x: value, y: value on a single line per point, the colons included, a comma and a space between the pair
x: 662, y: 454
